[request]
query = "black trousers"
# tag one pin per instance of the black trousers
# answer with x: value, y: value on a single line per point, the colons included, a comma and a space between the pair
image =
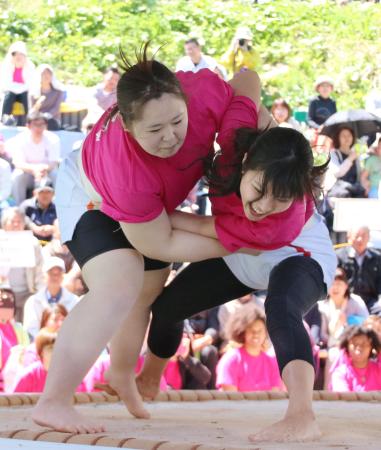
x: 295, y: 285
x: 10, y: 98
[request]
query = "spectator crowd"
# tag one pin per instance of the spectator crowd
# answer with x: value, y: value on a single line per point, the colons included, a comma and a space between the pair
x: 227, y: 347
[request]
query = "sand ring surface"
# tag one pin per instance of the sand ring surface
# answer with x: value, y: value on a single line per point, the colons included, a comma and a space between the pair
x: 194, y: 422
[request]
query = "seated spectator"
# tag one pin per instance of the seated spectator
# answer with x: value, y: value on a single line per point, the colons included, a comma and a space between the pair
x: 184, y: 371
x: 340, y: 309
x: 362, y: 265
x: 282, y: 113
x: 35, y: 154
x: 371, y: 174
x: 11, y: 332
x: 344, y: 170
x: 241, y: 55
x: 32, y: 378
x: 226, y: 311
x: 41, y: 211
x: 51, y: 294
x: 203, y: 329
x: 24, y: 281
x: 248, y: 368
x: 105, y: 92
x: 194, y: 60
x: 16, y: 78
x: 51, y: 319
x: 322, y: 106
x: 360, y: 367
x: 47, y: 95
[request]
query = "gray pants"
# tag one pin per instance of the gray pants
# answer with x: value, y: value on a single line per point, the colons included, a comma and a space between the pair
x: 21, y: 298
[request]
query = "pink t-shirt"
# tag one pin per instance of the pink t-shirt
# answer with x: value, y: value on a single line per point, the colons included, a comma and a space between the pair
x: 134, y: 185
x: 33, y: 377
x: 8, y: 339
x: 235, y: 231
x: 248, y: 373
x: 17, y: 75
x: 347, y: 378
x: 97, y: 372
x: 172, y: 375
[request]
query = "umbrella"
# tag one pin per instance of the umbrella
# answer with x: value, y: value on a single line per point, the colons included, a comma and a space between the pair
x: 360, y: 121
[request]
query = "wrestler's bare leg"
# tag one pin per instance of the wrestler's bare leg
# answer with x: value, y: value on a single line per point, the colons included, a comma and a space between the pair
x: 299, y: 423
x: 126, y: 344
x: 115, y: 281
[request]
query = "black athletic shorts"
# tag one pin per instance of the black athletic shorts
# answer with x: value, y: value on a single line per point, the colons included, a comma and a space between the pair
x: 96, y: 233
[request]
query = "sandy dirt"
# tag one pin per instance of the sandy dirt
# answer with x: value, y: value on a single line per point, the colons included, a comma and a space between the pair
x: 345, y: 425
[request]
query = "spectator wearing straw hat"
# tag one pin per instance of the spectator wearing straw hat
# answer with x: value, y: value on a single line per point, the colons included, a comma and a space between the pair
x: 322, y: 106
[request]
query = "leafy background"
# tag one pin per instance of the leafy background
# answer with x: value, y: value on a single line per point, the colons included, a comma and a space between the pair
x: 297, y: 40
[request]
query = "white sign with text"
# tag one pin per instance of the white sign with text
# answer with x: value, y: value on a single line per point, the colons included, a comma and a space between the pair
x: 353, y: 212
x: 17, y: 249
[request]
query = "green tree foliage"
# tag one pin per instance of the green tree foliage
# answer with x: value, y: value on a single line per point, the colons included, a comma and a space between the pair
x: 297, y: 40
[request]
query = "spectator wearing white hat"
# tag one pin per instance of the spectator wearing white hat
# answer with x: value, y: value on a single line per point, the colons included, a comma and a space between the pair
x: 241, y: 54
x: 17, y: 73
x: 322, y: 106
x: 51, y: 294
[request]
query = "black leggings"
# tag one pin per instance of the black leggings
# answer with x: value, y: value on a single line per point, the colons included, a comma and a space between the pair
x: 295, y: 285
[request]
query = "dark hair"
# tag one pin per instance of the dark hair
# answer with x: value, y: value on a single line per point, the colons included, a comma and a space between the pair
x: 358, y: 330
x: 49, y: 311
x: 241, y: 319
x: 283, y: 155
x: 7, y: 298
x: 36, y: 115
x: 141, y: 82
x: 281, y: 102
x: 342, y: 276
x: 192, y: 41
x: 336, y: 137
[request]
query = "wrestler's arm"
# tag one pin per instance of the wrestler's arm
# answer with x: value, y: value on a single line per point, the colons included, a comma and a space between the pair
x: 203, y: 225
x: 158, y: 240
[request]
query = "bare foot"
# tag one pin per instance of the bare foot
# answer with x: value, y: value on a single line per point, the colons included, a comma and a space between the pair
x: 63, y: 417
x: 148, y: 386
x: 125, y: 387
x: 296, y: 428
